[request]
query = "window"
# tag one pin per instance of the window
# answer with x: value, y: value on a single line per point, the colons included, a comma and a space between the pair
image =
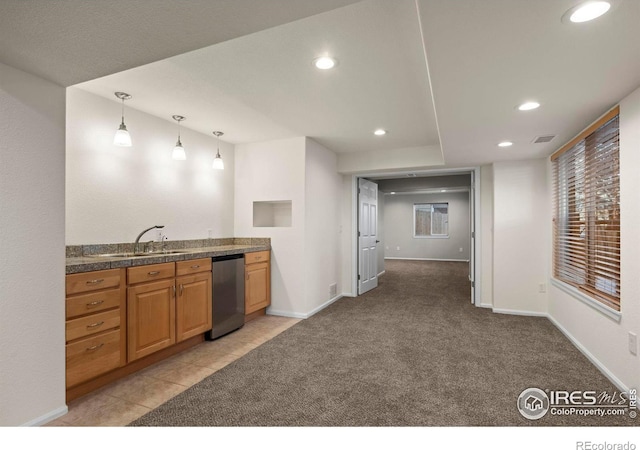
x: 431, y: 220
x: 586, y: 241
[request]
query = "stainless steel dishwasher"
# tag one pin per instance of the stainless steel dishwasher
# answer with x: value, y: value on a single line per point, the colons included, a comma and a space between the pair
x: 228, y: 295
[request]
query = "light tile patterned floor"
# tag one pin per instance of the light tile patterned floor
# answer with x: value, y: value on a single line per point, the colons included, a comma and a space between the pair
x: 129, y: 398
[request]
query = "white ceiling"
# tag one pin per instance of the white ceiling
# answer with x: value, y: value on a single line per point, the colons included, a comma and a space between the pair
x: 486, y: 57
x: 257, y: 82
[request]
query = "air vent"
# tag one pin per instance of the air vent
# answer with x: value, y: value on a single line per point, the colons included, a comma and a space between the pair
x: 543, y: 139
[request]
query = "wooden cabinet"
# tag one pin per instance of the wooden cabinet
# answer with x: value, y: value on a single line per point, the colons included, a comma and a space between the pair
x: 257, y: 286
x: 121, y: 320
x: 193, y: 301
x: 164, y: 310
x: 150, y: 318
x: 95, y: 326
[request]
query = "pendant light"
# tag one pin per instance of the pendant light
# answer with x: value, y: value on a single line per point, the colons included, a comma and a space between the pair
x: 122, y: 137
x: 217, y: 162
x: 178, y: 151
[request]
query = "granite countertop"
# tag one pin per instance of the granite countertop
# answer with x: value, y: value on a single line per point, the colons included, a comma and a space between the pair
x: 79, y: 264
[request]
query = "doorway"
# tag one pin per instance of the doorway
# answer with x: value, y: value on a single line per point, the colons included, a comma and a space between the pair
x: 433, y: 232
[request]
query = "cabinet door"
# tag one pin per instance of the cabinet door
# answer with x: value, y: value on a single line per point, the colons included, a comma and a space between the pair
x: 193, y: 305
x: 257, y: 287
x: 151, y: 318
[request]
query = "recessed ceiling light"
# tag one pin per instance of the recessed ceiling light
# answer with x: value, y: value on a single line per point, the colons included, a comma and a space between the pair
x: 505, y: 144
x: 392, y: 193
x: 586, y: 11
x: 443, y: 190
x: 380, y: 132
x: 324, y: 63
x: 528, y: 106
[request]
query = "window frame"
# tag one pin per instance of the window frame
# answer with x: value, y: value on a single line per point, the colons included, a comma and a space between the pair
x: 417, y: 206
x: 579, y: 197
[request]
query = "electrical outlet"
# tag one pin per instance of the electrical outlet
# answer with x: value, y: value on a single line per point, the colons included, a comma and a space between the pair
x: 210, y: 233
x: 542, y: 288
x: 633, y: 343
x: 387, y: 247
x: 460, y: 250
x: 158, y: 236
x: 397, y: 248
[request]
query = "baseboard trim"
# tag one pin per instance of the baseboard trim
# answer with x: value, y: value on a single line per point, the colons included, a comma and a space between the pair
x: 48, y: 417
x: 297, y: 315
x: 323, y: 306
x: 381, y: 273
x: 485, y: 305
x: 427, y: 259
x: 517, y: 312
x: 595, y: 361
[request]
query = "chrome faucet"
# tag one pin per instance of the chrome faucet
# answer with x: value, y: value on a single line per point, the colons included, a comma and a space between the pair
x: 136, y: 245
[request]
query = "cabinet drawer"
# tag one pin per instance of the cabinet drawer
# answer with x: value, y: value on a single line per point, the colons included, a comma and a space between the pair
x: 80, y: 305
x: 151, y: 272
x: 92, y: 356
x: 95, y: 323
x: 256, y: 257
x: 92, y: 281
x: 193, y: 266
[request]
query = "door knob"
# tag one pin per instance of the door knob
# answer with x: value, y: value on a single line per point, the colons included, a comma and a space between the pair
x: 377, y: 241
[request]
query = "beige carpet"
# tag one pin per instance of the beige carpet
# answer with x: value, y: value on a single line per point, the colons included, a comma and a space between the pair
x: 413, y: 352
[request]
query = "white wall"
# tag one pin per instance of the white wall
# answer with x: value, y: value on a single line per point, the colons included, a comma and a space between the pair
x: 521, y: 218
x: 412, y: 158
x: 113, y: 193
x: 398, y: 227
x: 381, y: 236
x: 348, y: 224
x: 486, y: 235
x: 602, y: 338
x: 273, y: 171
x: 32, y: 354
x: 306, y: 256
x: 322, y: 225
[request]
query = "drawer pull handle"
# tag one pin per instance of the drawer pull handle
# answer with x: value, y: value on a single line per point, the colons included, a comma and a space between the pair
x: 94, y: 304
x: 258, y: 257
x: 97, y: 324
x: 97, y: 281
x: 195, y: 266
x: 94, y: 348
x: 154, y: 273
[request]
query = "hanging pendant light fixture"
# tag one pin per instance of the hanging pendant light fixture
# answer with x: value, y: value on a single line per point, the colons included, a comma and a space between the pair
x: 178, y: 151
x: 217, y: 162
x: 122, y: 137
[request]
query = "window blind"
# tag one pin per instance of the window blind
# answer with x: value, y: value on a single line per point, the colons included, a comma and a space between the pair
x: 587, y: 212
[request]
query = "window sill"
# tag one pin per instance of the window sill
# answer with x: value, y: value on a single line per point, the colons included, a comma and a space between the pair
x: 605, y: 310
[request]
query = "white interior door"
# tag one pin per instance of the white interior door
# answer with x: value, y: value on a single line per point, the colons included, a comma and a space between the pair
x: 367, y: 235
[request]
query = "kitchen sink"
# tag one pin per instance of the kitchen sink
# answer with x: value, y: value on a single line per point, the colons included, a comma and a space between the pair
x: 137, y: 255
